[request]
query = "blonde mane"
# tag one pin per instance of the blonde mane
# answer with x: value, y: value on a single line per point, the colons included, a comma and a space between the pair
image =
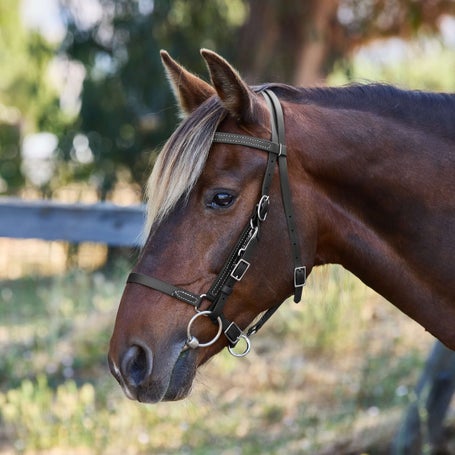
x: 181, y: 161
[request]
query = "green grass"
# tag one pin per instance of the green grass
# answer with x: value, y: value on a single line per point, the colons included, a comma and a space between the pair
x: 319, y: 372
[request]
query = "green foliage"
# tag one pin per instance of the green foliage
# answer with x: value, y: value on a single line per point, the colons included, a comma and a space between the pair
x: 336, y: 299
x: 10, y: 160
x: 27, y: 409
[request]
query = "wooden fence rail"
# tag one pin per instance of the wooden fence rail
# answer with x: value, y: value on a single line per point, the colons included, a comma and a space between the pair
x: 49, y: 220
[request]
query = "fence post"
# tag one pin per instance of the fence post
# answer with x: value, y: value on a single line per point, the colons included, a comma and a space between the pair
x: 423, y: 424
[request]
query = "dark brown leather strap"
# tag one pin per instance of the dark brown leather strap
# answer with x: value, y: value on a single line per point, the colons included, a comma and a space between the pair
x: 278, y: 136
x: 165, y: 288
x: 248, y: 141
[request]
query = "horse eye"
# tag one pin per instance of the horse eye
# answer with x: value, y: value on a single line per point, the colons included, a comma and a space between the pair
x: 221, y: 201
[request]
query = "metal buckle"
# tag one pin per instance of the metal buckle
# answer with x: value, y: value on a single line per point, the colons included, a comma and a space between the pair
x: 240, y: 269
x: 263, y: 207
x: 299, y: 276
x: 252, y: 237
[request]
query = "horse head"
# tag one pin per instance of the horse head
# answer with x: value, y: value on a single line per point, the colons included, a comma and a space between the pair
x: 212, y: 262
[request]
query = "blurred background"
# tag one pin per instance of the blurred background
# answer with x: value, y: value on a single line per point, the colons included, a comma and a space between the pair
x: 84, y: 109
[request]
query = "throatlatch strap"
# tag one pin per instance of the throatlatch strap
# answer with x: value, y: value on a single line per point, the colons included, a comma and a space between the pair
x: 278, y: 135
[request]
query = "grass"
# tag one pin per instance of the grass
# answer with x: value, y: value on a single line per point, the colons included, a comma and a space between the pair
x: 339, y: 367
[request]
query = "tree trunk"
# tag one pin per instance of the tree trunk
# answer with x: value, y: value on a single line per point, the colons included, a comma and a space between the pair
x: 291, y: 42
x: 313, y: 55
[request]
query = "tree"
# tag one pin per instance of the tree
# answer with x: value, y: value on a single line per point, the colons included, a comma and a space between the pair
x: 300, y: 41
x: 27, y: 101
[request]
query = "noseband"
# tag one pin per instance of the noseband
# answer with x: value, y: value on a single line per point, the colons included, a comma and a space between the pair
x: 238, y: 262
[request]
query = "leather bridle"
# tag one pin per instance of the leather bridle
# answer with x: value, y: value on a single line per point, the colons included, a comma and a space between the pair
x: 238, y: 262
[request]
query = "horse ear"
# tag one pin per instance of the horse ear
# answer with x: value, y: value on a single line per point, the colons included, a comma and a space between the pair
x: 236, y: 96
x: 189, y: 90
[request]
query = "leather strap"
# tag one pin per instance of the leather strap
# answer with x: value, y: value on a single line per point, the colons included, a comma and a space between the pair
x: 248, y: 141
x: 278, y: 135
x: 165, y: 288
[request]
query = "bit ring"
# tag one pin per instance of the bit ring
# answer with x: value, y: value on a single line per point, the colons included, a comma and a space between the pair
x: 192, y: 342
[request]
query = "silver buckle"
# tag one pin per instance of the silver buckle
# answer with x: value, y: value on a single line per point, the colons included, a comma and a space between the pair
x: 239, y: 263
x: 263, y: 205
x: 299, y: 282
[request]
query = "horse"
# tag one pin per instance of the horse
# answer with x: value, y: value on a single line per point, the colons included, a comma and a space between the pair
x: 258, y: 185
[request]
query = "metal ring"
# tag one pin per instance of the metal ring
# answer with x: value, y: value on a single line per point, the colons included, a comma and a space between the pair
x: 192, y: 341
x: 201, y: 298
x: 247, y: 347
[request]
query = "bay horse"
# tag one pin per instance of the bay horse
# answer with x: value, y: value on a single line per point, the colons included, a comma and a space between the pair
x: 257, y: 186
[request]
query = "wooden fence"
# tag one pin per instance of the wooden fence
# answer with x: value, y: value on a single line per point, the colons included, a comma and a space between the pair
x: 49, y: 220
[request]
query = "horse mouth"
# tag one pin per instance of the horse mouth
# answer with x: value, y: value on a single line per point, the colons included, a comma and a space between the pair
x: 183, y: 373
x: 174, y: 385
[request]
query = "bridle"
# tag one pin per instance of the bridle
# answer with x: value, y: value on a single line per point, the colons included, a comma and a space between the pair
x: 238, y: 261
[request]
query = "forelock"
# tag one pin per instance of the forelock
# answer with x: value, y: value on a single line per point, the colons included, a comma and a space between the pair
x: 181, y: 161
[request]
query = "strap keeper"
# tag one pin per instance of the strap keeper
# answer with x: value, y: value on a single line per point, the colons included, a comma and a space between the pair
x: 282, y: 151
x: 233, y: 333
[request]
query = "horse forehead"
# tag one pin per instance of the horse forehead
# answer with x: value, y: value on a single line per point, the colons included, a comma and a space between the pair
x: 233, y: 166
x: 223, y: 158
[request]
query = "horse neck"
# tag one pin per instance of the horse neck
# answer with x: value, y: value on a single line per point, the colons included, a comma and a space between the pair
x: 384, y: 196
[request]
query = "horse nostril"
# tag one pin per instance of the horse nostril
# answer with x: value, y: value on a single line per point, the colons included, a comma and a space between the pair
x: 137, y: 364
